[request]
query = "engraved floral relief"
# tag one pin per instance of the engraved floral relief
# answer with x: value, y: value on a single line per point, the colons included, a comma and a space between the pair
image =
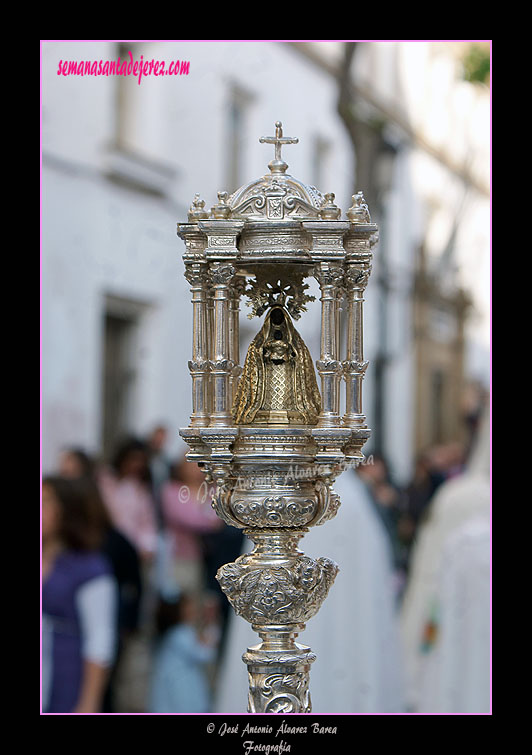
x: 278, y: 594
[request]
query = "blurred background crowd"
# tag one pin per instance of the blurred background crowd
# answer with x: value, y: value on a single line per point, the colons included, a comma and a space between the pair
x: 130, y: 551
x: 133, y: 619
x: 150, y: 519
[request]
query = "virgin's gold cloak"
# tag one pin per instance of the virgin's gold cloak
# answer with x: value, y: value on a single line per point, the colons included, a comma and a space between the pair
x: 249, y: 398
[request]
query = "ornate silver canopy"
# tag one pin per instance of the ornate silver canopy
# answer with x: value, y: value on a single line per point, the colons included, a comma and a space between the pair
x: 270, y: 439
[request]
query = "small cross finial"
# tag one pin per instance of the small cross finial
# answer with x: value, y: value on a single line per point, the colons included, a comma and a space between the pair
x: 278, y: 165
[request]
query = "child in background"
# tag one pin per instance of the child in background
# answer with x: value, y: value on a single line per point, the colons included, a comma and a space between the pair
x: 187, y: 644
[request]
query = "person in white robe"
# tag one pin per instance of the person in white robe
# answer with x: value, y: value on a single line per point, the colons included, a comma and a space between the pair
x: 355, y: 634
x: 445, y: 617
x: 456, y: 674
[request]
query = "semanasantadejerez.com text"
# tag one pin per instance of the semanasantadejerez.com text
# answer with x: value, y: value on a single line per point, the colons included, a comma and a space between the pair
x: 137, y: 68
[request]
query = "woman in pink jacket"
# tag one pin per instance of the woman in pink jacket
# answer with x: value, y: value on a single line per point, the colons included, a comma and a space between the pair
x: 187, y: 514
x: 126, y: 492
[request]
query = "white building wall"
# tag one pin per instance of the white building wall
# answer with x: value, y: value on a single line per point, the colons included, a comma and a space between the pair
x: 101, y: 238
x: 108, y: 242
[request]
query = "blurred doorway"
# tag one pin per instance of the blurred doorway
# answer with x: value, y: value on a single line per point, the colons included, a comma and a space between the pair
x: 439, y: 317
x: 120, y: 370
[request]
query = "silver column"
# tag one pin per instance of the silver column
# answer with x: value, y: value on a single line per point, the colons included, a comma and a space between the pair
x: 221, y: 277
x: 196, y: 275
x: 237, y: 289
x: 330, y: 277
x: 354, y: 366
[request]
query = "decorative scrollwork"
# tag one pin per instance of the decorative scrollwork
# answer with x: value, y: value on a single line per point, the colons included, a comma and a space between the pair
x: 329, y: 502
x: 274, y: 511
x: 220, y: 503
x: 279, y: 693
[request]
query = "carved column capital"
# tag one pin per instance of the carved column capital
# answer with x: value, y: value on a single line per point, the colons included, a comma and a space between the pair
x: 355, y: 281
x: 199, y: 366
x: 221, y: 365
x: 238, y: 285
x: 221, y: 273
x: 329, y: 366
x: 356, y: 277
x: 196, y: 274
x: 329, y: 275
x: 352, y: 367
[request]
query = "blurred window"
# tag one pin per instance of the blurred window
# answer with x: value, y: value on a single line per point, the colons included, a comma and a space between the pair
x: 437, y: 405
x: 320, y: 155
x: 122, y: 320
x: 239, y: 102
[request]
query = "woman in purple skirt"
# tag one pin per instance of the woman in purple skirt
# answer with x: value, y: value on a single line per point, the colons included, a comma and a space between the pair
x: 79, y: 601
